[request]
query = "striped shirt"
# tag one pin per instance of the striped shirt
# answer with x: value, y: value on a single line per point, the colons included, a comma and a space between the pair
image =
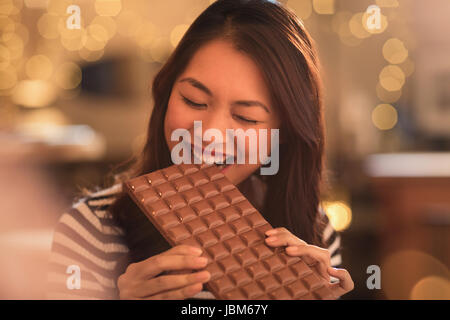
x: 88, y: 242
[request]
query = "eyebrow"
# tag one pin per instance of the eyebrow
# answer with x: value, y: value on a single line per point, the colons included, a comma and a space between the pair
x: 245, y: 103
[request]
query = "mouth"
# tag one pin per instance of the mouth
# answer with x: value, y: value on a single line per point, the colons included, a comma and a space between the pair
x: 226, y: 162
x: 223, y: 167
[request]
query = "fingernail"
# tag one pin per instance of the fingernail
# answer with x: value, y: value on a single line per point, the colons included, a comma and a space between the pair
x: 272, y: 239
x: 292, y: 248
x: 196, y: 250
x: 269, y: 232
x: 201, y: 260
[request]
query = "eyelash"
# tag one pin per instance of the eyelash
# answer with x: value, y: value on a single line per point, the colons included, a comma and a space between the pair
x: 201, y: 106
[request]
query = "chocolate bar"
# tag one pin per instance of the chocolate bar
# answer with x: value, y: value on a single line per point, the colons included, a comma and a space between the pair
x: 197, y: 205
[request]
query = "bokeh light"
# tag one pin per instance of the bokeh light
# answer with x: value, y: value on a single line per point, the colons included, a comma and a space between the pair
x: 48, y: 25
x: 39, y: 67
x: 8, y: 78
x: 392, y: 78
x: 387, y: 96
x: 303, y: 9
x: 356, y: 26
x: 408, y: 67
x: 404, y: 275
x: 108, y: 7
x: 339, y: 214
x: 68, y: 75
x: 177, y: 33
x: 323, y: 6
x: 34, y: 93
x: 431, y: 288
x: 394, y: 51
x: 383, y: 23
x: 387, y: 3
x: 384, y: 117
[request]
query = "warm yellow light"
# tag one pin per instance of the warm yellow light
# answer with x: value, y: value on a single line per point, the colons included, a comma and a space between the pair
x: 431, y: 288
x: 145, y: 35
x: 356, y: 27
x: 160, y: 49
x: 6, y: 7
x: 90, y: 55
x: 34, y: 93
x: 48, y: 25
x: 387, y: 96
x: 14, y: 45
x: 74, y: 39
x: 384, y: 117
x: 129, y: 23
x: 97, y: 37
x: 177, y: 33
x: 408, y: 67
x: 339, y: 19
x: 402, y: 272
x: 68, y: 75
x: 394, y: 51
x: 8, y: 78
x: 108, y: 7
x: 382, y: 27
x: 387, y: 3
x: 108, y: 23
x: 303, y: 9
x: 39, y: 67
x: 5, y: 57
x: 392, y: 78
x: 7, y: 26
x: 19, y: 30
x: 324, y: 6
x: 339, y: 214
x: 58, y: 7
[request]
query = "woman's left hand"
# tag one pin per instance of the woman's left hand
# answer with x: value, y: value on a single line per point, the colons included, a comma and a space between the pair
x: 311, y: 254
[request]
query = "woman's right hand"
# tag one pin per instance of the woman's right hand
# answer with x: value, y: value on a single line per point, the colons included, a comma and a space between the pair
x: 144, y: 280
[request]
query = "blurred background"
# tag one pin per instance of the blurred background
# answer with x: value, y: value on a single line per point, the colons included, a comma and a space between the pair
x: 75, y: 102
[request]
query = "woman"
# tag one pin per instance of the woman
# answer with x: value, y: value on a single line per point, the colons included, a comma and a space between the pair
x: 242, y: 64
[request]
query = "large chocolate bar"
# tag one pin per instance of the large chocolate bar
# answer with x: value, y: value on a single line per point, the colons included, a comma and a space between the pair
x: 197, y: 205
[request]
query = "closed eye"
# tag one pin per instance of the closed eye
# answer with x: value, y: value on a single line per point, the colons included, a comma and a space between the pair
x: 241, y: 118
x: 192, y: 103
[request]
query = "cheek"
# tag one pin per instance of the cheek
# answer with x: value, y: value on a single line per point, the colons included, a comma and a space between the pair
x: 176, y: 118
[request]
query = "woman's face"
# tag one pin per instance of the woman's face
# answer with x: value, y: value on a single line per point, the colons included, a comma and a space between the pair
x: 224, y: 89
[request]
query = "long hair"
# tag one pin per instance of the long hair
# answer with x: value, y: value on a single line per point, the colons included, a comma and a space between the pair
x: 278, y: 43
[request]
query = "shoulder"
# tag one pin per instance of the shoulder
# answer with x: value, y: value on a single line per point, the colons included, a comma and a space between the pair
x: 89, y: 219
x: 87, y: 237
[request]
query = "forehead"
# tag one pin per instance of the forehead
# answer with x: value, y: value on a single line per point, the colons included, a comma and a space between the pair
x: 228, y: 73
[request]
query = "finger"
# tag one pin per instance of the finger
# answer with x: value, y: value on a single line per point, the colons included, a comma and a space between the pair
x: 171, y: 282
x: 164, y: 262
x: 140, y: 268
x: 183, y: 249
x: 178, y: 294
x: 345, y: 283
x: 275, y: 231
x: 315, y: 253
x: 283, y: 238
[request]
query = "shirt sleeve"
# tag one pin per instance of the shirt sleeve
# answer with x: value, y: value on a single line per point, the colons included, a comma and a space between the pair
x: 332, y: 241
x: 83, y: 257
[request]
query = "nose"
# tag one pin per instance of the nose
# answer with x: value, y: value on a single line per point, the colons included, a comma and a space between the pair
x: 214, y: 133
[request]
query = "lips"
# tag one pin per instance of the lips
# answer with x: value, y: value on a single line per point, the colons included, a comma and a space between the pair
x: 225, y: 158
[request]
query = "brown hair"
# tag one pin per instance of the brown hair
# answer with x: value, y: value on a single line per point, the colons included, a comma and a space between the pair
x: 278, y: 43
